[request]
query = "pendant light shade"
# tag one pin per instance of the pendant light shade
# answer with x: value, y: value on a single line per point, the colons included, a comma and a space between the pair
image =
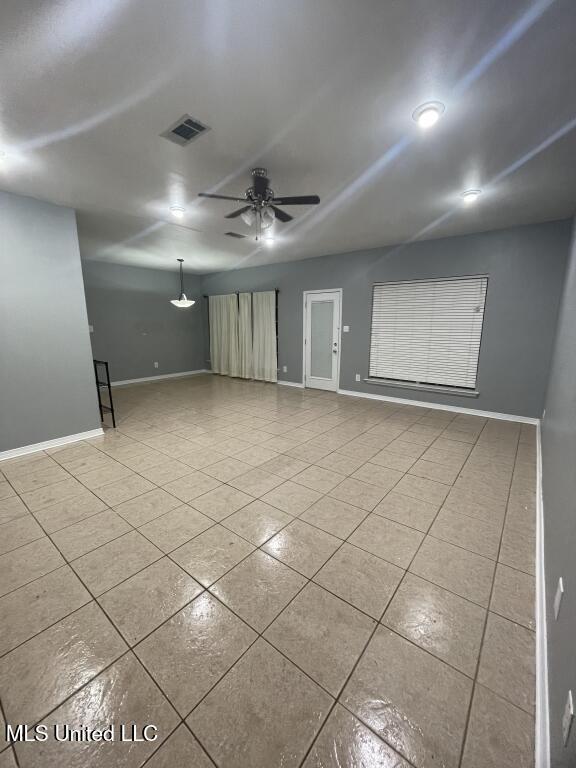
x: 182, y: 302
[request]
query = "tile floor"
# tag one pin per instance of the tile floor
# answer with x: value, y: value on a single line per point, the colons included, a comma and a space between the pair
x: 273, y: 577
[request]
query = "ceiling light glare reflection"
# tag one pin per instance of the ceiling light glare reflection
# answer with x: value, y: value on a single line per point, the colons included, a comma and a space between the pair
x: 177, y: 211
x: 470, y: 196
x: 428, y: 114
x: 269, y: 241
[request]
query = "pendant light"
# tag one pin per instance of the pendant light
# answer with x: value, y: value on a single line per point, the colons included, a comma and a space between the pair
x: 182, y: 302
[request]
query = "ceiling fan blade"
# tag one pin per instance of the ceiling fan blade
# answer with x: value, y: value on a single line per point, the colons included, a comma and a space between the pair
x: 239, y: 212
x: 302, y: 200
x: 281, y: 215
x: 221, y: 197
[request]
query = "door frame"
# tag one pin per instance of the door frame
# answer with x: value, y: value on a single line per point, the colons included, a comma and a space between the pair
x: 305, y: 295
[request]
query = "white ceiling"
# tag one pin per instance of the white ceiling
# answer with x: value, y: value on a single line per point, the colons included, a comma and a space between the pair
x: 320, y: 92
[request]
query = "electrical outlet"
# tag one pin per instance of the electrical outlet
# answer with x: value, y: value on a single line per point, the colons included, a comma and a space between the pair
x: 558, y: 597
x: 155, y: 365
x: 567, y: 718
x: 284, y: 369
x: 357, y: 377
x: 90, y: 329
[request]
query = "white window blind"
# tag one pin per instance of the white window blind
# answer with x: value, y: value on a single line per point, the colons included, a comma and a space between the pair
x: 428, y: 331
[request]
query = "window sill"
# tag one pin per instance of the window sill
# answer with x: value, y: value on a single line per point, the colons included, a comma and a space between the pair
x: 423, y: 387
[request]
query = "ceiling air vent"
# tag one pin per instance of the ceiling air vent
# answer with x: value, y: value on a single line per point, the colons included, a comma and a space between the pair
x: 185, y: 130
x: 235, y: 234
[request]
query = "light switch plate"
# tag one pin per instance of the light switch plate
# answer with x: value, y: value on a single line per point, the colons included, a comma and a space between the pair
x: 90, y: 329
x: 284, y: 369
x: 567, y: 718
x: 357, y: 377
x: 346, y: 329
x: 558, y: 597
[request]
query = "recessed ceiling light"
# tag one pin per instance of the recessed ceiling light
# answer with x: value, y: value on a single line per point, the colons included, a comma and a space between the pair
x: 470, y: 196
x: 177, y: 211
x: 427, y: 115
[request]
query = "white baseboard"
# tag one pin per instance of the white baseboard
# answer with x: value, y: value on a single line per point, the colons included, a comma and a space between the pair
x: 291, y: 384
x: 542, y: 734
x: 157, y: 378
x: 441, y: 407
x: 15, y: 452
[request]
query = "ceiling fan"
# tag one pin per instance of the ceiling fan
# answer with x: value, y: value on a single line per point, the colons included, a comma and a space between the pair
x: 262, y: 204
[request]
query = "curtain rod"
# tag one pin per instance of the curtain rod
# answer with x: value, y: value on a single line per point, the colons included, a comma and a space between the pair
x: 206, y: 296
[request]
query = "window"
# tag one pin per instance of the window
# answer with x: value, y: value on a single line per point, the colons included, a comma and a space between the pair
x: 428, y: 331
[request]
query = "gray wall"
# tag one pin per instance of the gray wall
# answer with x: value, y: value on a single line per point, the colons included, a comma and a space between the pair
x: 526, y: 268
x: 46, y: 378
x: 135, y: 325
x: 559, y: 490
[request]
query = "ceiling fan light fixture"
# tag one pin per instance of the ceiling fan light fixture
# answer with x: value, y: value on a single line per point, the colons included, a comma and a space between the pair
x: 470, y: 196
x: 267, y: 217
x: 428, y: 114
x: 248, y: 217
x: 177, y: 211
x: 269, y: 241
x: 182, y: 302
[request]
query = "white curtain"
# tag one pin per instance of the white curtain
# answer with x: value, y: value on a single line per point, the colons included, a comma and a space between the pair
x: 224, y: 354
x: 245, y: 361
x: 264, y: 336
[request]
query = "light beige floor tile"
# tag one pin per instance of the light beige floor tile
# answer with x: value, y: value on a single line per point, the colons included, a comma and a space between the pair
x: 257, y: 455
x: 338, y: 462
x: 18, y: 532
x: 285, y: 466
x: 499, y: 734
x: 52, y: 494
x: 210, y: 555
x: 358, y: 450
x: 291, y: 497
x: 123, y: 693
x: 12, y: 508
x: 439, y: 621
x: 415, y: 702
x: 123, y: 490
x: 257, y: 522
x: 281, y: 444
x: 67, y: 453
x: 467, y: 532
x: 6, y: 490
x: 262, y: 727
x: 507, y: 663
x: 258, y: 589
x: 180, y: 750
x: 27, y: 563
x: 191, y: 486
x: 227, y: 469
x: 256, y: 483
x: 78, y: 539
x: 514, y: 596
x: 334, y: 516
x: 170, y: 470
x: 386, y: 539
x: 147, y: 507
x: 103, y: 568
x: 189, y: 653
x: 383, y: 477
x: 432, y: 471
x: 142, y: 602
x: 176, y: 527
x: 7, y: 759
x: 98, y: 477
x: 221, y: 502
x: 420, y: 488
x: 201, y: 457
x: 308, y: 453
x: 359, y: 494
x: 69, y: 511
x: 518, y: 549
x: 344, y: 742
x: 30, y: 481
x: 143, y: 461
x: 387, y: 458
x: 362, y: 579
x: 404, y: 448
x: 318, y: 479
x: 37, y: 676
x: 302, y: 547
x: 462, y: 572
x: 92, y: 460
x: 35, y: 606
x: 407, y: 510
x: 322, y: 635
x: 475, y: 507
